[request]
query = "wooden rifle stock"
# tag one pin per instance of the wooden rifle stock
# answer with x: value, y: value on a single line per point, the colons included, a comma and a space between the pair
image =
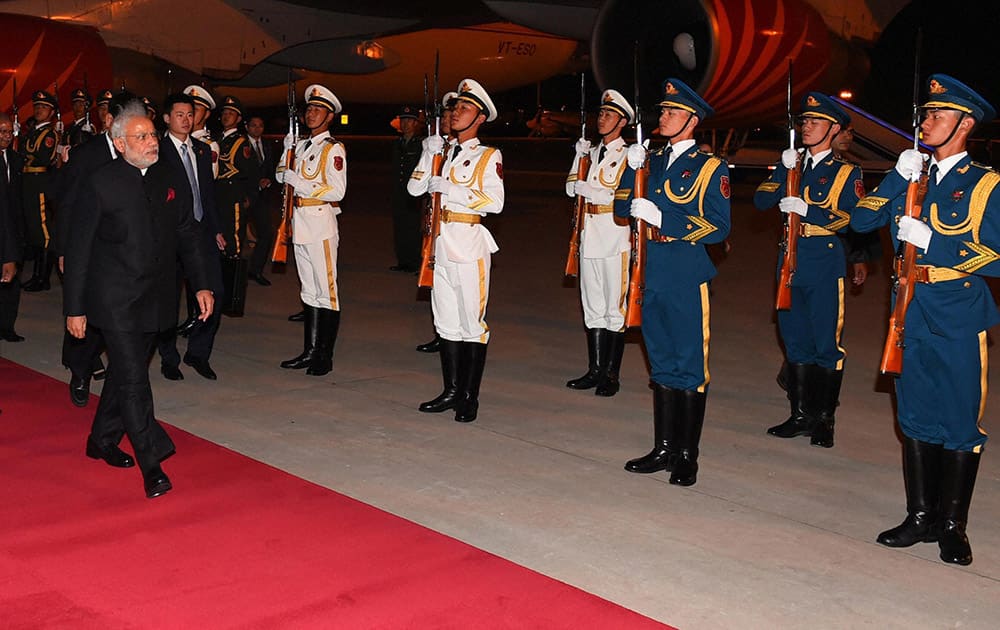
x: 431, y: 230
x: 637, y: 274
x: 906, y: 271
x: 579, y: 209
x: 789, y: 262
x: 279, y: 254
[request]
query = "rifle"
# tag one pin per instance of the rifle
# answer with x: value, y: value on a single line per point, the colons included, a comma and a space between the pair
x: 427, y: 106
x: 87, y: 127
x: 433, y: 226
x: 16, y: 126
x: 637, y: 273
x: 582, y: 169
x: 60, y: 155
x: 279, y: 254
x: 790, y: 244
x: 906, y: 254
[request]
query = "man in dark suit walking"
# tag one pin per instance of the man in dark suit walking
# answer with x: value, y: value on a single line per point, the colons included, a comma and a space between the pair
x: 190, y: 162
x: 11, y: 231
x: 83, y: 356
x: 121, y: 274
x: 260, y: 204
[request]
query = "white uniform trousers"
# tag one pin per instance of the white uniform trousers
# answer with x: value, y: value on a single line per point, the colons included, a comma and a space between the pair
x: 603, y: 287
x: 458, y: 301
x: 317, y: 267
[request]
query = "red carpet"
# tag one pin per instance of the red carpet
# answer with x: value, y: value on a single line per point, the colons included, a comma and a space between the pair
x: 81, y: 546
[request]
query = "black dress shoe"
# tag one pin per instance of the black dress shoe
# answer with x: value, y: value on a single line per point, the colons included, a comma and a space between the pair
x: 11, y: 336
x: 184, y: 330
x: 79, y: 391
x: 260, y: 279
x: 298, y: 317
x: 156, y: 482
x: 171, y: 373
x: 202, y: 367
x: 431, y: 346
x: 111, y: 454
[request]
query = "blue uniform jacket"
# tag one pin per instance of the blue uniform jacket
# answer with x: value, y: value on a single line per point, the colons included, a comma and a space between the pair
x: 693, y: 195
x: 832, y: 189
x: 964, y: 213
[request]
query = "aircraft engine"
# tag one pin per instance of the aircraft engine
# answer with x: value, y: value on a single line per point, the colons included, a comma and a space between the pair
x: 733, y: 52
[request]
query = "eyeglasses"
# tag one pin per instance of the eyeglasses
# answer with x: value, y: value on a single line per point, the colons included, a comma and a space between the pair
x: 142, y: 137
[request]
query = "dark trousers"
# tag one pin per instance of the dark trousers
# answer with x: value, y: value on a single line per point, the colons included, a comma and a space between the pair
x: 259, y: 213
x: 202, y: 338
x: 407, y: 230
x: 10, y: 300
x: 126, y: 406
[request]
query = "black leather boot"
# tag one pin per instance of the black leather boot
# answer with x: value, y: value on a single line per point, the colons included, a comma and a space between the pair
x: 305, y: 359
x: 41, y: 273
x: 827, y: 391
x: 921, y: 478
x: 450, y: 357
x: 328, y: 323
x: 433, y: 345
x: 689, y: 417
x: 958, y: 478
x: 801, y: 421
x: 38, y: 262
x: 662, y: 455
x: 609, y: 384
x: 470, y: 377
x: 597, y: 352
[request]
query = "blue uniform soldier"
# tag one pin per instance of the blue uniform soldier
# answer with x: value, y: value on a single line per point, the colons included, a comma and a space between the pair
x: 830, y: 188
x: 687, y: 208
x: 941, y: 392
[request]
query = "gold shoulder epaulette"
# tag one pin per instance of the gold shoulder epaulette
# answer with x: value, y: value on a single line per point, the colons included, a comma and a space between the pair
x: 985, y: 167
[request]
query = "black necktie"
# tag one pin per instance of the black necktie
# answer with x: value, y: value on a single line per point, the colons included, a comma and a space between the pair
x: 666, y: 157
x: 932, y: 178
x: 808, y: 164
x: 259, y: 150
x: 3, y: 165
x: 455, y: 151
x: 600, y: 155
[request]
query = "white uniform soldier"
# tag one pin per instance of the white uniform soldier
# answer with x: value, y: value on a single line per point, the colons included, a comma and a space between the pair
x: 471, y: 186
x: 203, y: 106
x: 604, y: 247
x: 319, y: 178
x: 424, y: 166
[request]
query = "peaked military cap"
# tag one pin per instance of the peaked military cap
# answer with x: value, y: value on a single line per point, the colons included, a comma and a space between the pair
x: 105, y: 97
x: 80, y: 94
x: 320, y: 96
x: 41, y: 97
x: 614, y: 101
x: 233, y: 103
x: 818, y: 105
x: 678, y: 95
x: 201, y: 96
x: 150, y: 107
x: 944, y: 92
x: 470, y: 90
x: 448, y: 101
x: 408, y: 111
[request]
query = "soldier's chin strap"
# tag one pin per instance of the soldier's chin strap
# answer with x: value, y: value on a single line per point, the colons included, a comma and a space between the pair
x: 458, y: 132
x: 953, y: 129
x: 821, y: 140
x: 670, y: 138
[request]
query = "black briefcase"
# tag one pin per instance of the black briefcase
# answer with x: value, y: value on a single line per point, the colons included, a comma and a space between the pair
x: 234, y: 281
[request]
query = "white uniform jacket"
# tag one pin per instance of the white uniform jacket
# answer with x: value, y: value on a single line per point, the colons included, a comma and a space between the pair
x: 476, y: 177
x: 601, y: 237
x: 322, y: 162
x: 205, y: 136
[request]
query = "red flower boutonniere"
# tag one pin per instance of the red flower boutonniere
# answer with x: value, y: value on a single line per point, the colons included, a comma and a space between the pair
x: 686, y: 174
x: 171, y: 194
x: 957, y: 195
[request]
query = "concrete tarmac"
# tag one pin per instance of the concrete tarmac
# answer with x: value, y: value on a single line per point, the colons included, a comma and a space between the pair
x: 776, y: 533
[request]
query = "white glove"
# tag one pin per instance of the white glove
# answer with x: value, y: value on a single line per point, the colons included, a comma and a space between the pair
x: 793, y: 204
x: 293, y: 179
x: 439, y: 184
x: 646, y: 210
x: 582, y: 147
x: 637, y: 155
x: 433, y: 144
x: 598, y: 195
x: 789, y: 157
x: 910, y: 163
x: 914, y: 231
x: 289, y: 141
